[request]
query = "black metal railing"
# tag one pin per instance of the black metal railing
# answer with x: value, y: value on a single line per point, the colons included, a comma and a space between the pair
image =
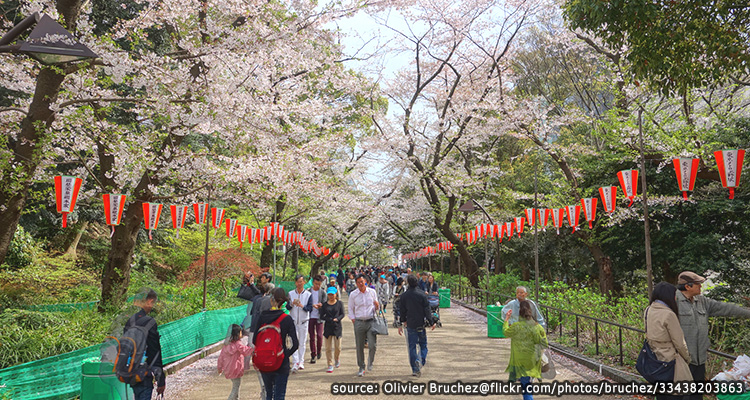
x: 481, y: 298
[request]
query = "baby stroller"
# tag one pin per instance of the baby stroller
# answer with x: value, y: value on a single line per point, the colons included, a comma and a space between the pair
x: 435, y: 308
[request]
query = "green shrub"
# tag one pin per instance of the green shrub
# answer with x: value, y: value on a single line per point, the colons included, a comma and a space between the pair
x: 22, y: 250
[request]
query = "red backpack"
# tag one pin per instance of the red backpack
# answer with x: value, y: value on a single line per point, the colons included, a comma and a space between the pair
x: 269, y: 349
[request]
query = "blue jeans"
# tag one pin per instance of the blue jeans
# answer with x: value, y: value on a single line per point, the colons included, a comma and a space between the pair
x: 143, y: 391
x: 414, y: 338
x: 525, y: 381
x: 275, y: 383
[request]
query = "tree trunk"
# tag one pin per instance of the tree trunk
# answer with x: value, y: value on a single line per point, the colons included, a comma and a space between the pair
x: 295, y: 260
x: 72, y: 249
x: 29, y: 147
x: 116, y: 277
x: 266, y: 257
x: 453, y: 264
x: 606, y: 279
x: 525, y: 272
x: 28, y: 150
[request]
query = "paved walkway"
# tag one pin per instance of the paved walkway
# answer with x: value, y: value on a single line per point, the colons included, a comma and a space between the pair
x: 459, y: 351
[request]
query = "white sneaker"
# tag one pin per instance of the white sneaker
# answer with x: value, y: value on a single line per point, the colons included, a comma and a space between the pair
x: 301, y: 366
x: 361, y: 372
x: 294, y: 369
x: 338, y: 363
x: 330, y: 369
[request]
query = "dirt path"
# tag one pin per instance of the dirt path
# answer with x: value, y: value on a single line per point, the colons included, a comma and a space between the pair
x: 459, y: 351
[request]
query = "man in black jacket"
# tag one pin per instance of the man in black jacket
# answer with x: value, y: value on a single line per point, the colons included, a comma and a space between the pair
x: 415, y: 309
x: 144, y: 390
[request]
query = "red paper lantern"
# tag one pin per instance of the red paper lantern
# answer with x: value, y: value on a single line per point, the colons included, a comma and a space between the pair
x: 589, y: 210
x: 544, y: 214
x: 509, y: 229
x: 530, y: 216
x: 519, y: 223
x: 178, y: 217
x: 200, y: 210
x: 629, y: 183
x: 217, y: 217
x: 574, y: 213
x: 151, y: 214
x: 114, y: 204
x: 609, y: 198
x: 242, y: 233
x: 558, y: 215
x: 231, y: 226
x: 686, y: 170
x: 66, y: 194
x: 730, y: 168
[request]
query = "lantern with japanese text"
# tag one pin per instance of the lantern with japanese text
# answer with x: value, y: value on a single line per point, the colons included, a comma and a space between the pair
x: 589, y: 210
x: 178, y: 217
x: 609, y: 198
x: 66, y: 193
x: 201, y: 211
x: 151, y: 214
x: 686, y: 170
x: 574, y: 214
x: 509, y: 229
x: 558, y: 217
x: 629, y: 183
x: 544, y: 214
x: 113, y: 206
x: 519, y: 223
x: 530, y: 216
x: 231, y: 225
x: 242, y: 233
x: 730, y: 168
x: 217, y: 217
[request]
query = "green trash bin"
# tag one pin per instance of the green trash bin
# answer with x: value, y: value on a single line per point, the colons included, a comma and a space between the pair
x: 445, y: 297
x: 494, y: 322
x: 98, y: 382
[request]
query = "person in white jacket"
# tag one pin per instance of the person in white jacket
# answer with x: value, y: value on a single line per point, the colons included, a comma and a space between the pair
x: 384, y: 292
x: 299, y: 306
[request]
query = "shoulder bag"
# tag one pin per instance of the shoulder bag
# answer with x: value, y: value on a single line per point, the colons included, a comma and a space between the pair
x: 650, y: 367
x: 379, y: 324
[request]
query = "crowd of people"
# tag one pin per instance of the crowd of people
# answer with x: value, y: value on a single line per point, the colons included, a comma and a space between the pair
x: 316, y: 316
x: 676, y: 322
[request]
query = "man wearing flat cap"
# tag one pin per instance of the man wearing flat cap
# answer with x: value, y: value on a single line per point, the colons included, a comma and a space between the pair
x: 694, y: 312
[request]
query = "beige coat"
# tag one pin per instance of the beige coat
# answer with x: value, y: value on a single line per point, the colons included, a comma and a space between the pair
x: 665, y: 337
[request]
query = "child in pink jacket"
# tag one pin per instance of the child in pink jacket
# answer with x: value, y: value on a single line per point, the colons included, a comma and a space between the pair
x: 232, y: 360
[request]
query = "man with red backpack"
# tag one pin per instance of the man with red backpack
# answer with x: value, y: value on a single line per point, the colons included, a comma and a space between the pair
x: 270, y: 338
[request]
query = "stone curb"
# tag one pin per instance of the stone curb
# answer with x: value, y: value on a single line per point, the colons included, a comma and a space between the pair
x: 170, y: 369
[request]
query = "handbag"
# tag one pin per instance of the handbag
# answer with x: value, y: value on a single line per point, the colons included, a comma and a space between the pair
x: 379, y: 324
x: 245, y: 292
x: 545, y: 361
x: 548, y: 367
x: 650, y: 367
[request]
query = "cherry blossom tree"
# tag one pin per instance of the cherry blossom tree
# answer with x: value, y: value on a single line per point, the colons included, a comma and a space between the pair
x: 443, y: 101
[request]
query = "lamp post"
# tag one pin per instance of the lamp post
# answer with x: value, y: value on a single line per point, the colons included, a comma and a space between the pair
x: 49, y: 43
x: 467, y: 208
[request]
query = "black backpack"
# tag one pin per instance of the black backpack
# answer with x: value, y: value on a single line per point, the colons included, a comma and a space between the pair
x: 130, y: 359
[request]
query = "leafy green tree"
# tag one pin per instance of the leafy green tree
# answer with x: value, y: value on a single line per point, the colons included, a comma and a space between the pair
x: 672, y: 45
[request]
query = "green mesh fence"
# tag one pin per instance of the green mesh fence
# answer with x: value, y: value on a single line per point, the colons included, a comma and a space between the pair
x: 59, y: 377
x: 66, y: 307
